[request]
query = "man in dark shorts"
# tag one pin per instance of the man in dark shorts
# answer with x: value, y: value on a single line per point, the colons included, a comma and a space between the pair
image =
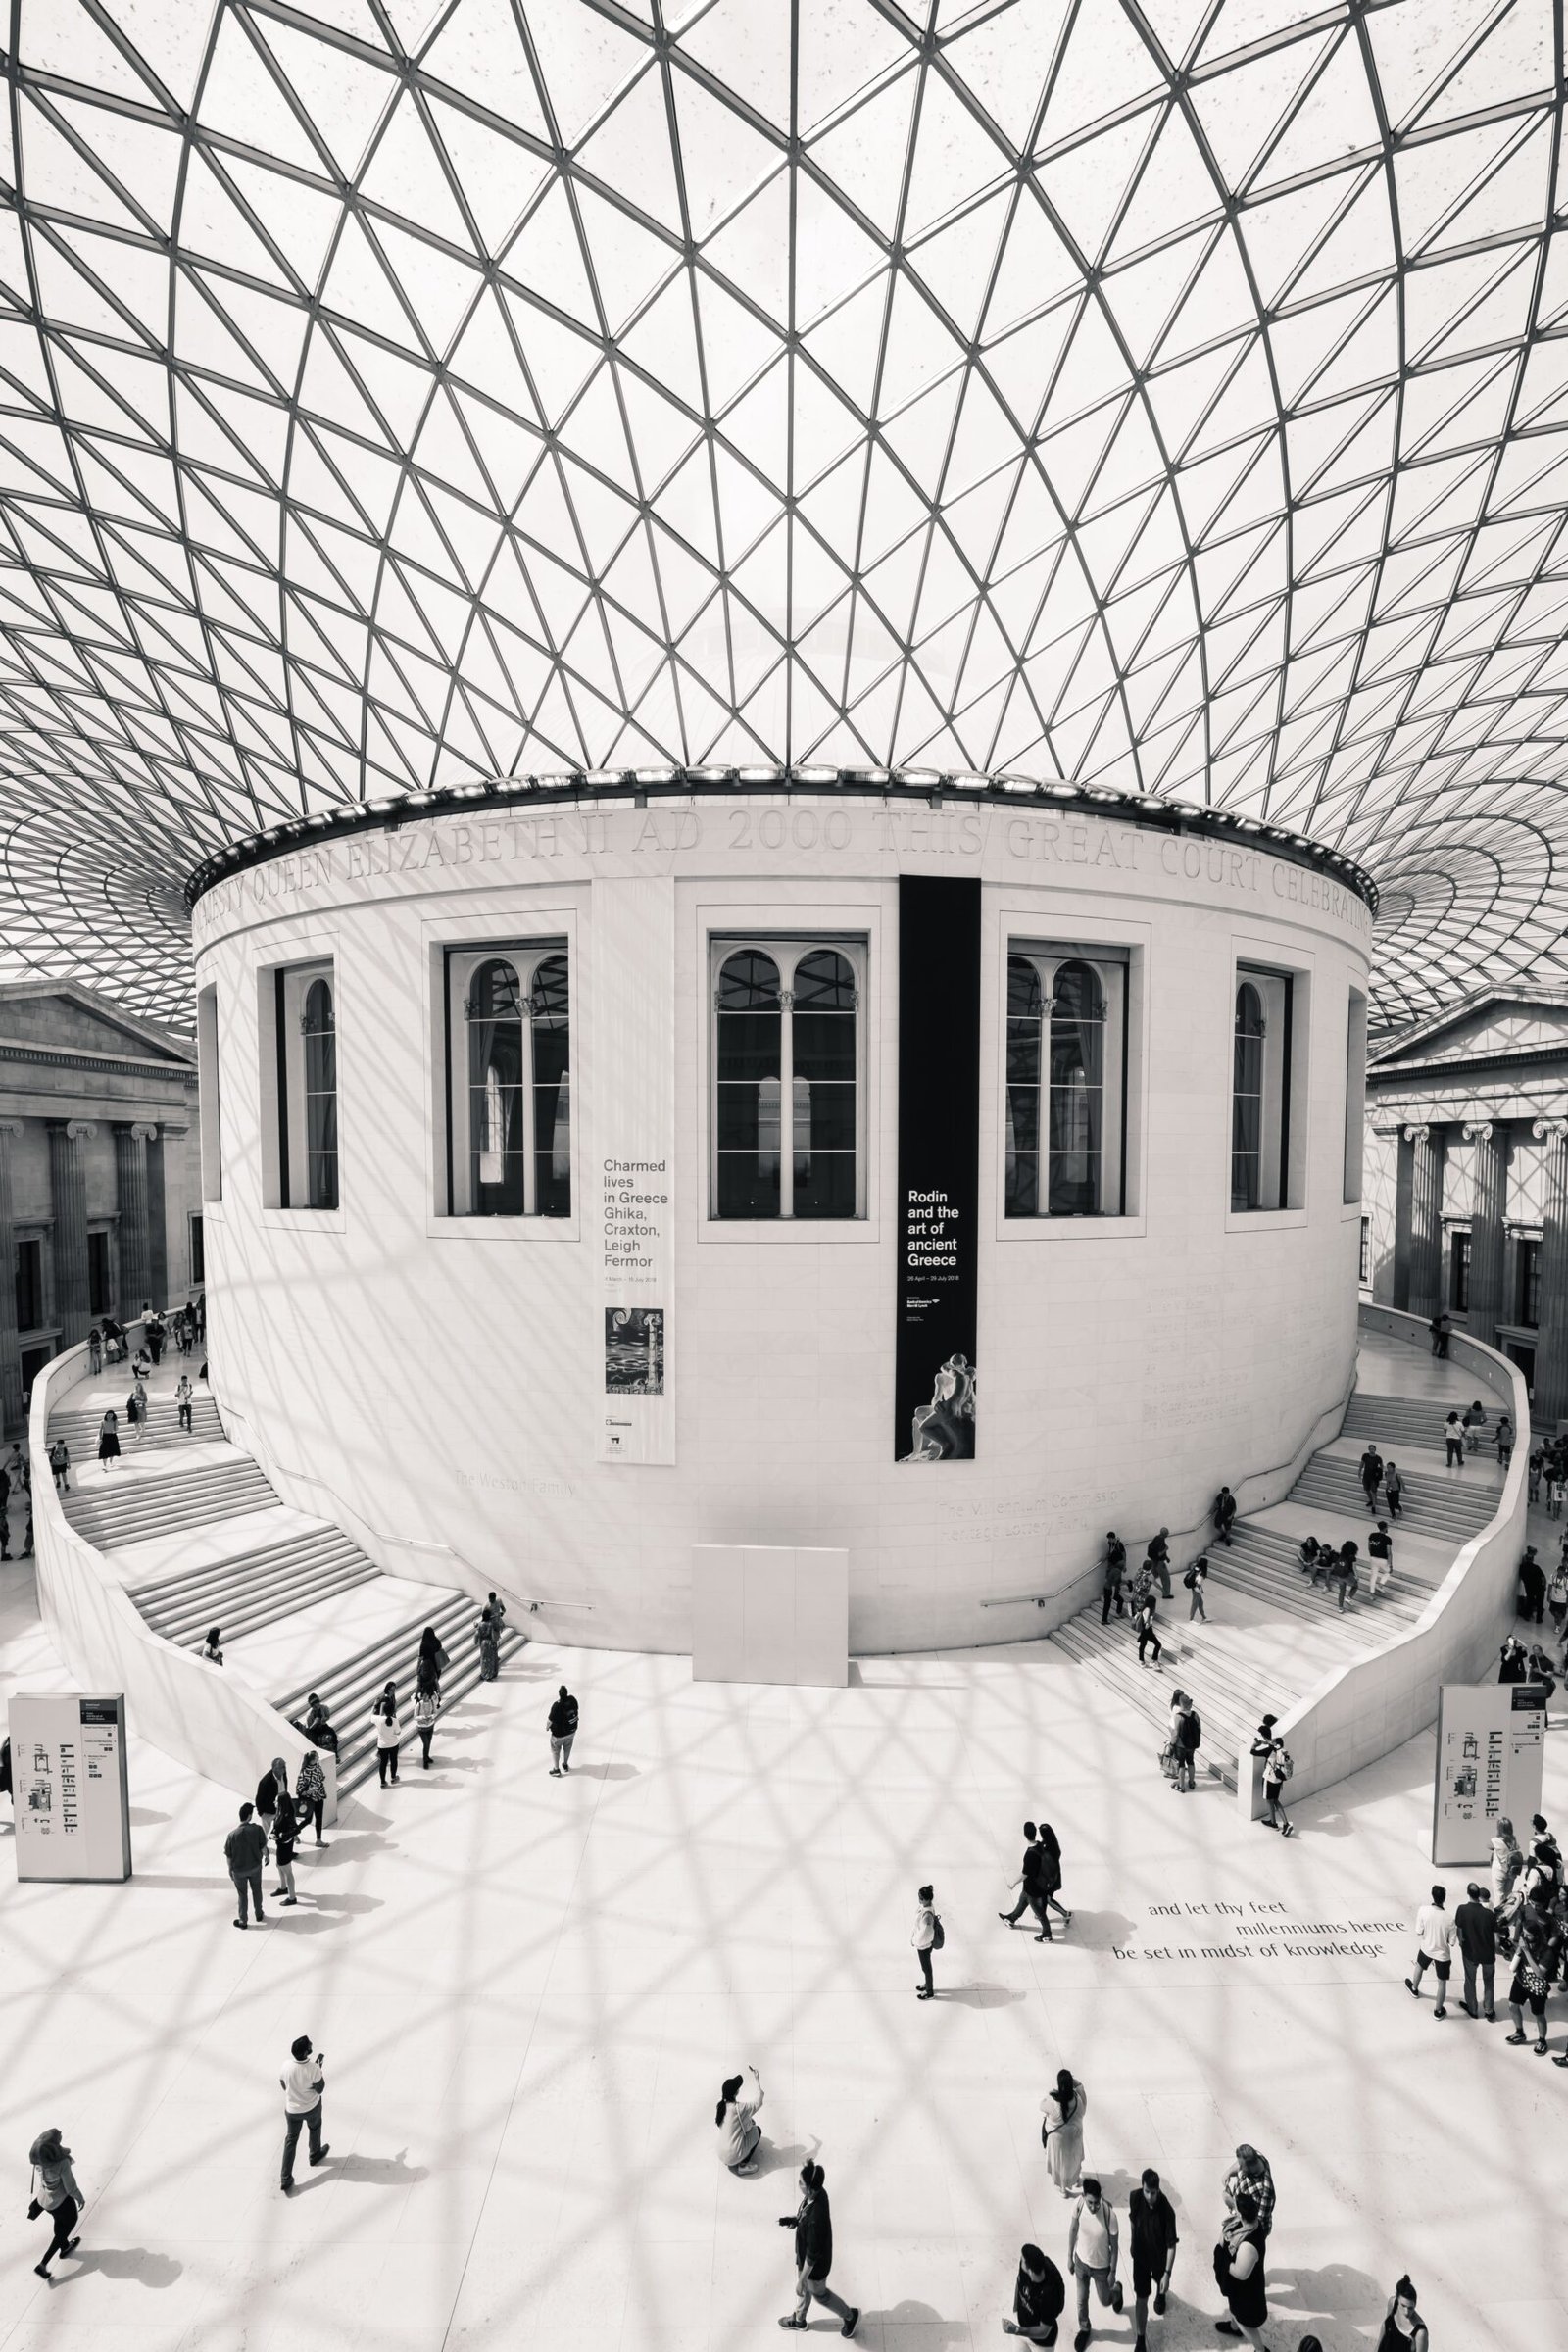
x: 1038, y: 2300
x: 1152, y: 2226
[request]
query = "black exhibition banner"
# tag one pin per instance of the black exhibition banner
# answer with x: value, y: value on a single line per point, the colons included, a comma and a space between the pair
x: 939, y: 1168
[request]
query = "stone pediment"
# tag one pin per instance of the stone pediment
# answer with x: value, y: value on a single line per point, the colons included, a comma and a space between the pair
x: 1495, y: 1026
x: 66, y: 1018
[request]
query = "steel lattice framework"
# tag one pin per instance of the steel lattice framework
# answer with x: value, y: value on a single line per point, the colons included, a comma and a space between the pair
x: 1170, y: 395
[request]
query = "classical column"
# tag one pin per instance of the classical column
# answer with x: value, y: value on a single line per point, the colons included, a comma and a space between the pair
x: 9, y: 1352
x: 1551, y: 1403
x: 157, y: 1208
x: 1488, y: 1204
x: 1426, y: 1221
x: 132, y: 1140
x: 1403, y: 1163
x: 67, y: 1187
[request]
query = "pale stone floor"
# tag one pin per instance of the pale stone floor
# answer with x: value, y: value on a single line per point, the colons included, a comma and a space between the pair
x: 529, y: 1990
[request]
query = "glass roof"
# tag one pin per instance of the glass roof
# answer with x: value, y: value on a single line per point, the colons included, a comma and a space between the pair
x: 1165, y: 394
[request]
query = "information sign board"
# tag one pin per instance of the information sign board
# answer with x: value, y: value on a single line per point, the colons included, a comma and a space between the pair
x: 1491, y: 1742
x: 70, y: 1791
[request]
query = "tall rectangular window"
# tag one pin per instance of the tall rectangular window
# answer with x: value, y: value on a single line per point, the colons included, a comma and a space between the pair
x: 305, y: 1014
x: 509, y: 1080
x: 1262, y: 1081
x: 1527, y: 1299
x: 198, y: 1253
x: 100, y: 1285
x: 787, y: 1084
x: 1366, y: 1251
x: 29, y: 1285
x: 1354, y: 1094
x: 1066, y: 1105
x: 207, y: 1086
x: 1459, y: 1273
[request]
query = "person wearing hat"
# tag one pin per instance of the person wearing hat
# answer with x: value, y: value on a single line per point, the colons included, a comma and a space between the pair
x: 1476, y: 1927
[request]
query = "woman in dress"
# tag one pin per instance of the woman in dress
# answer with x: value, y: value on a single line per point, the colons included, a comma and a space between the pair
x: 310, y: 1790
x: 1403, y: 2329
x: 740, y: 2134
x: 1239, y: 2268
x: 107, y: 1441
x: 56, y: 2192
x: 1063, y: 2132
x: 485, y: 1633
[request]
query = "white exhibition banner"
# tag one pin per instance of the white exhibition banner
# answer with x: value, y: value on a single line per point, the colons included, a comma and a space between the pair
x: 631, y: 1180
x: 1492, y: 1747
x: 69, y: 1787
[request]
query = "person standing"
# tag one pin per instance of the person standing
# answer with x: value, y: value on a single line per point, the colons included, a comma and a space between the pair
x: 1532, y: 1976
x: 1196, y: 1579
x: 1151, y: 2228
x: 498, y: 1612
x: 107, y: 1441
x: 212, y: 1649
x: 1223, y: 1515
x: 1506, y: 1443
x: 1251, y: 2172
x: 57, y: 2192
x: 1111, y: 1574
x: 426, y: 1707
x: 1453, y: 1441
x: 1403, y: 2327
x: 562, y: 1732
x: 388, y: 1728
x: 1435, y: 1936
x: 812, y: 2225
x: 1061, y: 2133
x: 1393, y: 1489
x: 740, y: 2134
x: 1277, y: 1769
x: 1239, y: 2268
x: 285, y: 1838
x: 183, y: 1394
x: 927, y: 1937
x: 304, y: 2081
x: 1475, y: 1421
x: 1557, y: 1599
x: 95, y: 1351
x: 1532, y: 1588
x: 60, y: 1464
x: 1143, y: 1628
x: 245, y: 1851
x: 1476, y: 1927
x: 1187, y: 1737
x: 487, y: 1634
x: 1039, y: 2298
x: 310, y: 1791
x: 269, y: 1789
x: 1093, y: 2246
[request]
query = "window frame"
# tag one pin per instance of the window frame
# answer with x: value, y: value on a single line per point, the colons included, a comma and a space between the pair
x: 1286, y: 987
x: 788, y: 944
x: 102, y: 1235
x: 196, y: 1247
x: 311, y: 953
x: 208, y: 1095
x: 1354, y: 1172
x: 1112, y: 967
x: 459, y: 960
x: 1456, y: 1269
x: 294, y: 985
x: 45, y: 1322
x: 1527, y: 1281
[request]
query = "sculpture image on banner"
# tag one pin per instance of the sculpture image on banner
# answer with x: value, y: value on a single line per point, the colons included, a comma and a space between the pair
x: 634, y: 1351
x: 943, y: 1428
x: 70, y: 1791
x: 939, y: 1170
x: 1491, y: 1739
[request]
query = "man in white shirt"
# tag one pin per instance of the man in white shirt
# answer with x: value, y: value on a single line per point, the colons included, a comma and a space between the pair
x: 303, y: 2086
x: 1434, y: 1935
x: 1092, y: 2249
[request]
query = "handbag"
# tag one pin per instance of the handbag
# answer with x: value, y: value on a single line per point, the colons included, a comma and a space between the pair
x: 1167, y: 1760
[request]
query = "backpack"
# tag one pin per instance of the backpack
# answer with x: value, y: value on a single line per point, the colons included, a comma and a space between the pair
x: 1280, y: 1767
x: 1197, y: 1722
x: 938, y: 1933
x: 1189, y: 1579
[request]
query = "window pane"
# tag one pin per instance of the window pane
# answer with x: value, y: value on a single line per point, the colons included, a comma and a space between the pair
x: 320, y: 1096
x: 824, y: 1045
x: 824, y: 982
x: 824, y: 1117
x: 1025, y: 1015
x: 552, y: 1091
x: 748, y: 1185
x: 494, y: 1015
x: 824, y: 1184
x: 1247, y: 1100
x: 823, y: 1042
x: 1077, y: 1092
x: 748, y: 1090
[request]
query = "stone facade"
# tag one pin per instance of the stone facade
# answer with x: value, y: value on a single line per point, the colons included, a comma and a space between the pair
x: 100, y: 1156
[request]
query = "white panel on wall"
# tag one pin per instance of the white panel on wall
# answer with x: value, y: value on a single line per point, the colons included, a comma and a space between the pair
x: 718, y: 1613
x: 822, y: 1617
x: 768, y: 1613
x: 630, y: 1179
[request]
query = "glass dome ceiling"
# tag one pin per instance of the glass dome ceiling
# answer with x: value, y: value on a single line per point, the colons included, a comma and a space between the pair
x: 1170, y: 395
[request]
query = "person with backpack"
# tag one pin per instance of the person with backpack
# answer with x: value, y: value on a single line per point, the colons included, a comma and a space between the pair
x: 183, y: 1395
x: 1187, y: 1737
x: 927, y: 1937
x: 562, y: 1732
x: 426, y: 1707
x: 812, y: 2225
x: 60, y: 1464
x: 387, y: 1725
x: 1115, y: 1566
x: 1143, y: 1628
x: 1278, y: 1768
x: 1195, y: 1579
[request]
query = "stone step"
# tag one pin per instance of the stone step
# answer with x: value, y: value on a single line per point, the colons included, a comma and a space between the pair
x: 1278, y: 1579
x: 390, y: 1656
x: 245, y: 1608
x: 254, y: 1560
x: 356, y: 1763
x: 158, y: 1506
x: 1147, y: 1690
x: 1427, y: 1504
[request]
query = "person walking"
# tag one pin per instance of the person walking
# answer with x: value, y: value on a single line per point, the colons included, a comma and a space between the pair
x: 1143, y: 1628
x: 1453, y: 1441
x: 388, y: 1728
x: 1061, y: 2133
x: 285, y: 1838
x: 60, y: 1464
x: 1277, y: 1769
x: 1159, y: 1560
x: 1393, y: 1489
x: 1435, y: 1936
x: 432, y: 1654
x: 1557, y: 1599
x: 1039, y: 2298
x: 1341, y: 1573
x: 1476, y: 1927
x: 1092, y: 2247
x: 812, y: 2225
x: 1380, y: 1551
x: 497, y: 1611
x: 1051, y: 1874
x: 304, y: 2081
x: 740, y: 2134
x: 487, y: 1634
x: 57, y: 2192
x: 309, y: 1791
x: 1151, y: 2228
x: 426, y: 1707
x: 1532, y: 1976
x: 1196, y: 1579
x: 1223, y: 1514
x: 107, y: 1441
x: 245, y: 1851
x: 211, y: 1649
x: 1534, y: 1466
x: 1403, y: 2327
x: 95, y: 1351
x: 1187, y: 1737
x: 269, y: 1789
x: 183, y: 1396
x: 1112, y: 1571
x: 1370, y: 1473
x: 1028, y: 1884
x: 927, y: 1937
x: 1239, y: 2268
x: 562, y: 1732
x: 1475, y: 1421
x: 1532, y: 1588
x: 1506, y: 1443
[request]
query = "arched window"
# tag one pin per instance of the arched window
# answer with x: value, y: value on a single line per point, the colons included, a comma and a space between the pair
x: 496, y: 1163
x: 787, y: 1090
x: 1066, y: 1050
x: 510, y: 1109
x: 319, y: 1028
x: 1077, y: 1091
x: 1247, y: 1100
x: 750, y: 1067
